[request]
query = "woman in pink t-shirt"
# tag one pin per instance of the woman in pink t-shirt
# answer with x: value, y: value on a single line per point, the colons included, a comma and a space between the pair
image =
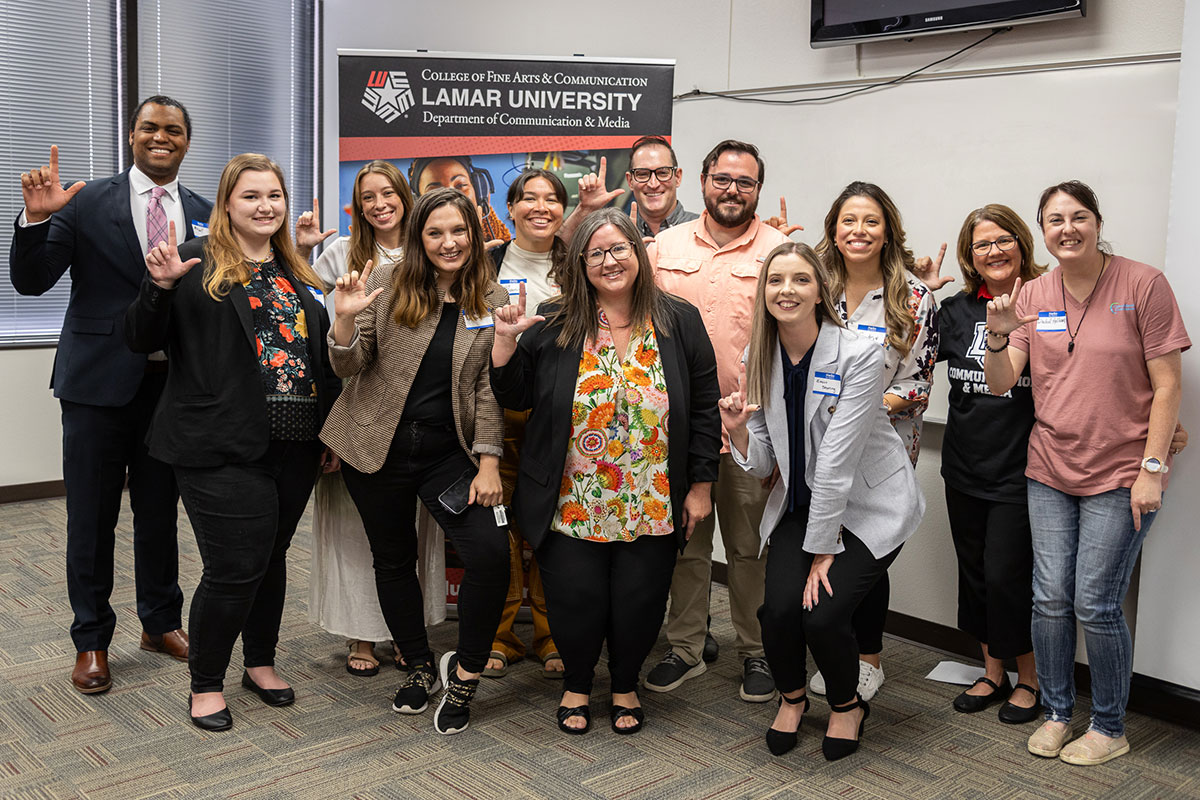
x: 1096, y: 468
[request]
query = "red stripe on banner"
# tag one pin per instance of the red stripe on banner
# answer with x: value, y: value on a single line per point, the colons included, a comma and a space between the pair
x: 365, y: 148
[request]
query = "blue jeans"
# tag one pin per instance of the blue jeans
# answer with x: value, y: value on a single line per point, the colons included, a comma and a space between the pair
x: 1084, y: 549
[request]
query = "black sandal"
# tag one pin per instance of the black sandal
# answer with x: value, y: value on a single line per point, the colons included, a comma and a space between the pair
x: 970, y: 703
x: 1019, y: 715
x: 563, y: 714
x: 833, y: 747
x: 618, y: 712
x: 780, y: 742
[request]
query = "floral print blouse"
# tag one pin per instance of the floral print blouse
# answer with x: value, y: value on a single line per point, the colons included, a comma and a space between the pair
x: 614, y: 485
x: 281, y: 342
x: 911, y: 376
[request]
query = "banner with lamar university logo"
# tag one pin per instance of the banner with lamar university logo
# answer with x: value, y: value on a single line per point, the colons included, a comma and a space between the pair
x: 475, y: 122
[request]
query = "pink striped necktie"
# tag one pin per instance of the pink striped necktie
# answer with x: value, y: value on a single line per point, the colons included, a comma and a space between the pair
x: 156, y: 218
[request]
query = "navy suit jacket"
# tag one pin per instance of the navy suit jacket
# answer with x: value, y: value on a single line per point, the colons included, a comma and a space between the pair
x: 94, y: 236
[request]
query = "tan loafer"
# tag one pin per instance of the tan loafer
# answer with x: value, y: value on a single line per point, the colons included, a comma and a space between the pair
x: 1048, y: 740
x: 173, y: 643
x: 1094, y: 748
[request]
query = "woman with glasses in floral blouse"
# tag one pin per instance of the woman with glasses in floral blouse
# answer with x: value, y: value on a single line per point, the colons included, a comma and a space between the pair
x: 622, y: 442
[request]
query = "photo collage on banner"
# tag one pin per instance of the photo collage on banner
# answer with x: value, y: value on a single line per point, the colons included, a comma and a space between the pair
x: 476, y: 122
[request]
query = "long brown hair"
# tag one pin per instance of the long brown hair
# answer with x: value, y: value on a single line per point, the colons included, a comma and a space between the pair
x: 226, y: 263
x: 414, y: 281
x: 1010, y: 222
x: 577, y: 313
x: 895, y: 262
x: 764, y: 330
x: 362, y: 232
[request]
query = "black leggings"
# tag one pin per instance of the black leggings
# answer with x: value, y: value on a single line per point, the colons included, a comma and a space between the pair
x: 423, y: 462
x: 827, y: 629
x: 994, y: 545
x: 597, y: 591
x: 243, y: 516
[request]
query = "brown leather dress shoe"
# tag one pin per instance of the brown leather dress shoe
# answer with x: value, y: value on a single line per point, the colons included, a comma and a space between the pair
x: 174, y: 644
x: 90, y: 675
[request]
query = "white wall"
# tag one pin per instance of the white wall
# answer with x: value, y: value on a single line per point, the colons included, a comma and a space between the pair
x: 32, y: 431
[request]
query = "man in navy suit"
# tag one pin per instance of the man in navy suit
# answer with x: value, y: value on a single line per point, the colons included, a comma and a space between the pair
x: 101, y: 231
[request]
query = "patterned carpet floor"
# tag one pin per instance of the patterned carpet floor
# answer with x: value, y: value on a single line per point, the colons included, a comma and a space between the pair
x: 341, y: 740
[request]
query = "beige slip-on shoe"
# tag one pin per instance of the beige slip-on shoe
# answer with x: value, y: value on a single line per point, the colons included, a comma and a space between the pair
x: 1094, y: 748
x: 1048, y: 740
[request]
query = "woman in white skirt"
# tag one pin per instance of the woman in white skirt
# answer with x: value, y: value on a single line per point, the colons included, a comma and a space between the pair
x: 342, y: 595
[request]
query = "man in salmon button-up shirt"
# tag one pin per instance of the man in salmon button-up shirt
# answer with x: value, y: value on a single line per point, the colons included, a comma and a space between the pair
x: 713, y: 263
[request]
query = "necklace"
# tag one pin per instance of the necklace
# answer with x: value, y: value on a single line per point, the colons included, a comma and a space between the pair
x: 1062, y: 285
x: 259, y: 262
x: 387, y: 257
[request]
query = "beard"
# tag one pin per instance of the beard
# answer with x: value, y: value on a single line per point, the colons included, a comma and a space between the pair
x: 730, y: 218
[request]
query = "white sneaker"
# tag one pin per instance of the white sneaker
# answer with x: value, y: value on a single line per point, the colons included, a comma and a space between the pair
x: 870, y: 679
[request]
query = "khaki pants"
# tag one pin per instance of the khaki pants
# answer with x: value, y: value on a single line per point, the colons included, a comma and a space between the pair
x: 739, y: 499
x: 506, y: 640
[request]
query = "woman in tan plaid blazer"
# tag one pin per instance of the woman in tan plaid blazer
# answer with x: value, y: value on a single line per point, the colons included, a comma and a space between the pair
x: 417, y: 419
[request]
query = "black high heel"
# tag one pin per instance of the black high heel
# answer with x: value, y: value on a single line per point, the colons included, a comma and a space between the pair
x: 780, y: 742
x: 834, y: 748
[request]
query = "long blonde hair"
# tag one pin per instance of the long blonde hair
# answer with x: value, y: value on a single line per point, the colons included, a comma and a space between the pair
x: 764, y: 330
x: 577, y: 313
x: 895, y: 262
x: 414, y: 281
x: 362, y: 233
x: 225, y: 262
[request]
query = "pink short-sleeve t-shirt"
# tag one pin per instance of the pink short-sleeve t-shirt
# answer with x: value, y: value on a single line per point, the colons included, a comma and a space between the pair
x: 1093, y: 404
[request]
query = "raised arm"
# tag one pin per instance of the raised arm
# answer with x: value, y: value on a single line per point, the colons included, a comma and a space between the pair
x: 41, y: 253
x: 148, y: 318
x: 1002, y: 365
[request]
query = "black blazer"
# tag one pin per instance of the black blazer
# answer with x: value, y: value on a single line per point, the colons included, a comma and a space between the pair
x: 94, y: 236
x: 213, y: 410
x: 541, y: 376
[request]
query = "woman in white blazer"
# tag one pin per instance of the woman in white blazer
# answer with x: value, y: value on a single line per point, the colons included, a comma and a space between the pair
x: 847, y: 497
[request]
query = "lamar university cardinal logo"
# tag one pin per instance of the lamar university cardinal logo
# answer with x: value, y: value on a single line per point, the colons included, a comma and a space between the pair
x: 388, y: 94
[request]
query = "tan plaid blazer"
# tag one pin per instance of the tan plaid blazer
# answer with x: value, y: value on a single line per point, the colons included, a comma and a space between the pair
x: 381, y: 362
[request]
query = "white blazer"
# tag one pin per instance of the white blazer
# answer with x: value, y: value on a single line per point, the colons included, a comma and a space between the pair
x: 855, y: 462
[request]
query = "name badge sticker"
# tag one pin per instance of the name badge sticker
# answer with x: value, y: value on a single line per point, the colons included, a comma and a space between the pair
x: 318, y: 294
x: 875, y: 333
x: 513, y: 286
x: 199, y: 228
x: 474, y: 324
x: 827, y: 383
x: 1052, y: 322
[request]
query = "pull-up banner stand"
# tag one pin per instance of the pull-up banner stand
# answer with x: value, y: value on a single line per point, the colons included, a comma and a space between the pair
x: 477, y: 121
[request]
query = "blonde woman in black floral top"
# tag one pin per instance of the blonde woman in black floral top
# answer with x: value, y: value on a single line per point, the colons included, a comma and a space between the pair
x: 249, y: 384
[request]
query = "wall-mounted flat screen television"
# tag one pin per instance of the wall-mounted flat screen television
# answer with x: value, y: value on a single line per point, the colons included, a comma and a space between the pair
x: 836, y: 22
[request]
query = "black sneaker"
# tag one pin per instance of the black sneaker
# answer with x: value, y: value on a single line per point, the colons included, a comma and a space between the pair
x: 413, y: 695
x: 672, y: 671
x: 711, y: 648
x: 758, y: 685
x: 453, y: 714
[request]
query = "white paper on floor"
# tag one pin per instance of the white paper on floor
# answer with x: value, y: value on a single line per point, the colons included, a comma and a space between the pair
x: 962, y: 674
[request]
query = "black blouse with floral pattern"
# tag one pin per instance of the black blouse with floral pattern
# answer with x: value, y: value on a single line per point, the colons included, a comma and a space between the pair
x: 281, y: 340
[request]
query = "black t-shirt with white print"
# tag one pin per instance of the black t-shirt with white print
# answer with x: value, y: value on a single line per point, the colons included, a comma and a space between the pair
x: 987, y: 436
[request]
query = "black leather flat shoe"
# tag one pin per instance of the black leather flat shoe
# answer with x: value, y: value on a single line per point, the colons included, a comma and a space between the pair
x: 217, y: 721
x: 1019, y: 715
x: 970, y: 703
x: 834, y: 748
x: 780, y: 742
x: 272, y: 697
x: 563, y: 714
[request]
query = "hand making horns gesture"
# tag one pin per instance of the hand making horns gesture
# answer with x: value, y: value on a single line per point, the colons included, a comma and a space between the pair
x: 1002, y: 316
x: 351, y: 296
x: 511, y: 321
x: 735, y: 411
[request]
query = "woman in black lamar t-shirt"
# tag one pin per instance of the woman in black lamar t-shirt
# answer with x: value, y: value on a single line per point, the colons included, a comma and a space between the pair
x: 983, y: 464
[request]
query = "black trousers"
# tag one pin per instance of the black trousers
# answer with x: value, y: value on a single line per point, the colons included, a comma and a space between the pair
x: 244, y: 516
x: 995, y: 571
x: 423, y: 462
x: 605, y: 591
x: 826, y: 630
x: 871, y: 617
x: 100, y: 444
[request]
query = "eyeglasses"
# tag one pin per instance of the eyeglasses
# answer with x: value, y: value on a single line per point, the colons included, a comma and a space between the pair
x: 744, y: 185
x: 620, y: 251
x: 642, y: 174
x: 1003, y: 243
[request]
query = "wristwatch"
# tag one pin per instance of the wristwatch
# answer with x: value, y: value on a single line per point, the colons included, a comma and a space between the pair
x: 1153, y: 465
